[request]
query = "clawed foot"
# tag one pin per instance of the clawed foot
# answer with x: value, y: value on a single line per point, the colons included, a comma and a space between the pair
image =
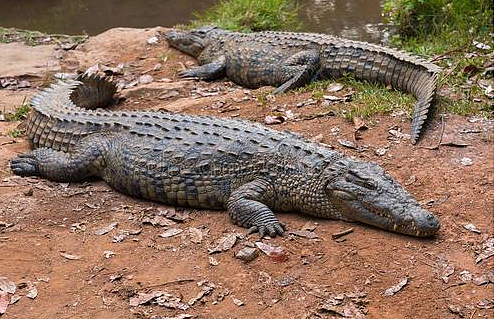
x: 188, y: 73
x: 271, y: 229
x: 24, y: 165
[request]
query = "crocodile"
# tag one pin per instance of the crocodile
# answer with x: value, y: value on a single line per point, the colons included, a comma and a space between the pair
x: 209, y: 163
x: 288, y: 60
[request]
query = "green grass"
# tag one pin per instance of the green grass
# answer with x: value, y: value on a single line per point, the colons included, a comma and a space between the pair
x: 447, y: 29
x: 251, y: 15
x: 20, y: 112
x: 33, y: 38
x: 367, y: 100
x: 15, y: 133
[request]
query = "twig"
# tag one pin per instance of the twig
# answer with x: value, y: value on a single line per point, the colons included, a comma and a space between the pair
x: 342, y: 233
x: 178, y: 281
x: 455, y: 285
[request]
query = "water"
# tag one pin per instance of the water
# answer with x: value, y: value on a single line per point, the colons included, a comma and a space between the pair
x: 355, y: 19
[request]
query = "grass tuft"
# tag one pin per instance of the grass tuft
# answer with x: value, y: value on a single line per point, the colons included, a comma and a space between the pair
x: 251, y: 15
x: 368, y: 99
x: 20, y: 112
x: 448, y: 31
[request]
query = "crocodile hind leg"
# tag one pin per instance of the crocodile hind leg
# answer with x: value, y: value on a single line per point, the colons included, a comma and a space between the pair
x: 298, y: 70
x: 209, y: 71
x: 85, y: 160
x: 246, y: 208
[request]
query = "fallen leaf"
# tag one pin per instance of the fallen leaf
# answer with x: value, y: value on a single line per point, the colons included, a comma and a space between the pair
x: 304, y: 233
x: 7, y: 285
x: 274, y: 119
x: 334, y: 87
x: 470, y: 69
x: 196, y: 235
x: 4, y: 301
x: 394, y: 289
x: 171, y: 232
x: 465, y: 276
x: 446, y: 272
x: 398, y: 134
x: 143, y: 298
x: 347, y: 143
x: 223, y: 244
x: 275, y: 253
x: 472, y: 228
x: 32, y: 292
x: 70, y: 256
x: 106, y: 229
x: 483, y: 279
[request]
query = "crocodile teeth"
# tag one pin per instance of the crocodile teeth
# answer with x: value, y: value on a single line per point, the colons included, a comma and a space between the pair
x: 418, y: 233
x: 396, y: 226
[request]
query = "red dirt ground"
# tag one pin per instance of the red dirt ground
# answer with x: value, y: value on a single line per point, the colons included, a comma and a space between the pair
x: 41, y: 220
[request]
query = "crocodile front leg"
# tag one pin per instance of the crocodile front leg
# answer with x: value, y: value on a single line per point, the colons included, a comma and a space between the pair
x: 209, y: 71
x: 298, y: 70
x: 246, y: 208
x: 84, y: 161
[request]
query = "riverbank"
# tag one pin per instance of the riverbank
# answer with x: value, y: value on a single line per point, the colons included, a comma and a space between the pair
x: 91, y: 252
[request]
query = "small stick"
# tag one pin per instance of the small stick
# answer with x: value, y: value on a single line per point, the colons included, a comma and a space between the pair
x: 179, y: 281
x: 342, y: 233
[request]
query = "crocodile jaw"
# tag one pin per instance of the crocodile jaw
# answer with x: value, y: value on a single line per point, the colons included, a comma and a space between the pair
x: 364, y: 192
x: 409, y: 219
x: 186, y: 41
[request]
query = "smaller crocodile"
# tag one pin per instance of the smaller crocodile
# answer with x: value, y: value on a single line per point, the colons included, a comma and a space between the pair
x: 288, y: 60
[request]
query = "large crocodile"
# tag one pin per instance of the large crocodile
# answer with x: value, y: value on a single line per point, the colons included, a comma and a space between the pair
x: 288, y: 60
x: 208, y: 162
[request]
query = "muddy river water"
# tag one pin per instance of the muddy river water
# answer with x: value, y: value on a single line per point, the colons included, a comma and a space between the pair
x: 355, y: 19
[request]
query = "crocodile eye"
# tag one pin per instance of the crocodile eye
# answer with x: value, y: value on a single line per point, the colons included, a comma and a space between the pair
x: 353, y: 177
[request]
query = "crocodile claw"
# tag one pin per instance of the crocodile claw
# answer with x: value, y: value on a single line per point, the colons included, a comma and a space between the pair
x: 272, y: 229
x: 188, y: 73
x: 24, y: 165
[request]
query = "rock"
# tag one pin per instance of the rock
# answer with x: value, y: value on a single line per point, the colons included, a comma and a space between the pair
x: 247, y: 254
x: 19, y: 60
x: 466, y: 161
x: 145, y: 79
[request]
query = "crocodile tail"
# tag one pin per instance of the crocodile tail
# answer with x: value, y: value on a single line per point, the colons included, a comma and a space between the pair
x: 424, y: 91
x: 95, y: 92
x: 366, y: 61
x: 59, y: 117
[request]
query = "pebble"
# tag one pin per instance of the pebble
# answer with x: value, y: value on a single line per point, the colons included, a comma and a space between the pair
x: 247, y: 254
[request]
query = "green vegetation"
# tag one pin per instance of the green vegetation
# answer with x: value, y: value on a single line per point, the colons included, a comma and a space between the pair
x: 251, y: 15
x: 15, y: 133
x: 35, y: 37
x: 453, y: 33
x: 367, y: 98
x: 20, y: 112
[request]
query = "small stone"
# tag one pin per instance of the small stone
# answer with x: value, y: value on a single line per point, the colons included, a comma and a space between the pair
x: 152, y: 40
x: 171, y: 232
x: 213, y: 261
x: 466, y: 161
x: 465, y: 276
x: 108, y: 254
x: 237, y: 302
x: 472, y: 228
x: 380, y: 151
x: 145, y: 79
x: 247, y: 254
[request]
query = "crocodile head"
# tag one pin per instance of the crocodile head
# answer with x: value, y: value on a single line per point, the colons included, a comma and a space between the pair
x: 364, y: 192
x: 191, y: 42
